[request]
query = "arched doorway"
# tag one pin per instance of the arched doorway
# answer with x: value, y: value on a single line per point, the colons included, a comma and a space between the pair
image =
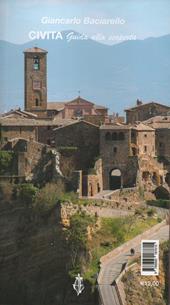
x: 115, y: 179
x: 167, y: 179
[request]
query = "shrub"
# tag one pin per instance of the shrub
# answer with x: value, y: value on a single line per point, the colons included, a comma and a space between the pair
x: 48, y: 196
x: 151, y: 212
x: 92, y: 171
x: 140, y: 212
x: 5, y: 161
x: 115, y: 227
x: 77, y: 236
x: 26, y: 193
x: 6, y: 191
x: 70, y: 196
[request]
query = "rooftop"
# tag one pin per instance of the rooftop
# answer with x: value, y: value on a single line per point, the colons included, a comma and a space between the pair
x: 35, y: 50
x: 77, y: 122
x: 159, y: 122
x: 56, y: 106
x: 142, y: 127
x: 78, y: 100
x: 115, y: 126
x: 141, y: 105
x: 11, y: 121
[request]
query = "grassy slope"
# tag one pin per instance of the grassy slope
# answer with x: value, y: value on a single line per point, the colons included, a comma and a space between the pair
x: 113, y: 233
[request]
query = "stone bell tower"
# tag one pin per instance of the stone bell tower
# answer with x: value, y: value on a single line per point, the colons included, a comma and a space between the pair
x: 36, y: 81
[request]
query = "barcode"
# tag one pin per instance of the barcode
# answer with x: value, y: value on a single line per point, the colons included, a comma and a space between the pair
x: 150, y: 257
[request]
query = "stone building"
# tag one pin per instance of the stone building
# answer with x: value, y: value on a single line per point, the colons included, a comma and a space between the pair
x: 128, y: 156
x: 142, y: 140
x: 36, y: 81
x: 115, y: 151
x: 92, y: 183
x: 19, y: 124
x: 142, y: 112
x: 161, y: 124
x: 78, y: 144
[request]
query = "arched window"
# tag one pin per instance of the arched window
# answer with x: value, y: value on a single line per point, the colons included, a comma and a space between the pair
x: 114, y: 136
x: 36, y: 63
x: 108, y: 136
x: 121, y: 136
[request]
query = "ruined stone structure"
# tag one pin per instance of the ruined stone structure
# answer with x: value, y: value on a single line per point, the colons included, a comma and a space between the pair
x: 21, y: 124
x: 33, y: 160
x: 161, y: 124
x: 142, y: 112
x: 128, y: 156
x: 92, y: 184
x: 78, y: 144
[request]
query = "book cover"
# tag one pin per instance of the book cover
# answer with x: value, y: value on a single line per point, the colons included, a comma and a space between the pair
x: 84, y: 152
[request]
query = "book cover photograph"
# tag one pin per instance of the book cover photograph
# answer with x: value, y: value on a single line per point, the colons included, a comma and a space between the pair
x: 85, y: 152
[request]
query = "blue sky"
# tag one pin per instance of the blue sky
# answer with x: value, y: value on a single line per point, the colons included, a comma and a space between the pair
x: 143, y: 18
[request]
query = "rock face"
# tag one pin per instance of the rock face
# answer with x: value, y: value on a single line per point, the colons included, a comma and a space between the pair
x: 34, y: 259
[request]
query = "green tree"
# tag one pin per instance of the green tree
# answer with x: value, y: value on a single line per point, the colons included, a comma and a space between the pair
x: 47, y: 197
x: 5, y: 162
x: 77, y: 236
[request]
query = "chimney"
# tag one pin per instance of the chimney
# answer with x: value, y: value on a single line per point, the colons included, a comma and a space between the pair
x: 138, y: 102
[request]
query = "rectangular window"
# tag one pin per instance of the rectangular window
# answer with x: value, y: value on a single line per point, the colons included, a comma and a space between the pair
x: 145, y: 148
x: 36, y: 85
x: 37, y: 103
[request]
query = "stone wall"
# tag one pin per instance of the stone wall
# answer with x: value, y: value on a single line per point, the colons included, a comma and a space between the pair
x: 146, y: 143
x: 95, y: 119
x: 46, y: 134
x: 91, y: 185
x: 35, y: 161
x: 78, y: 143
x: 163, y: 142
x: 25, y: 132
x: 36, y: 91
x: 115, y: 154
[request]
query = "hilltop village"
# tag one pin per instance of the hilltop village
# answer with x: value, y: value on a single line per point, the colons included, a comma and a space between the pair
x: 80, y: 141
